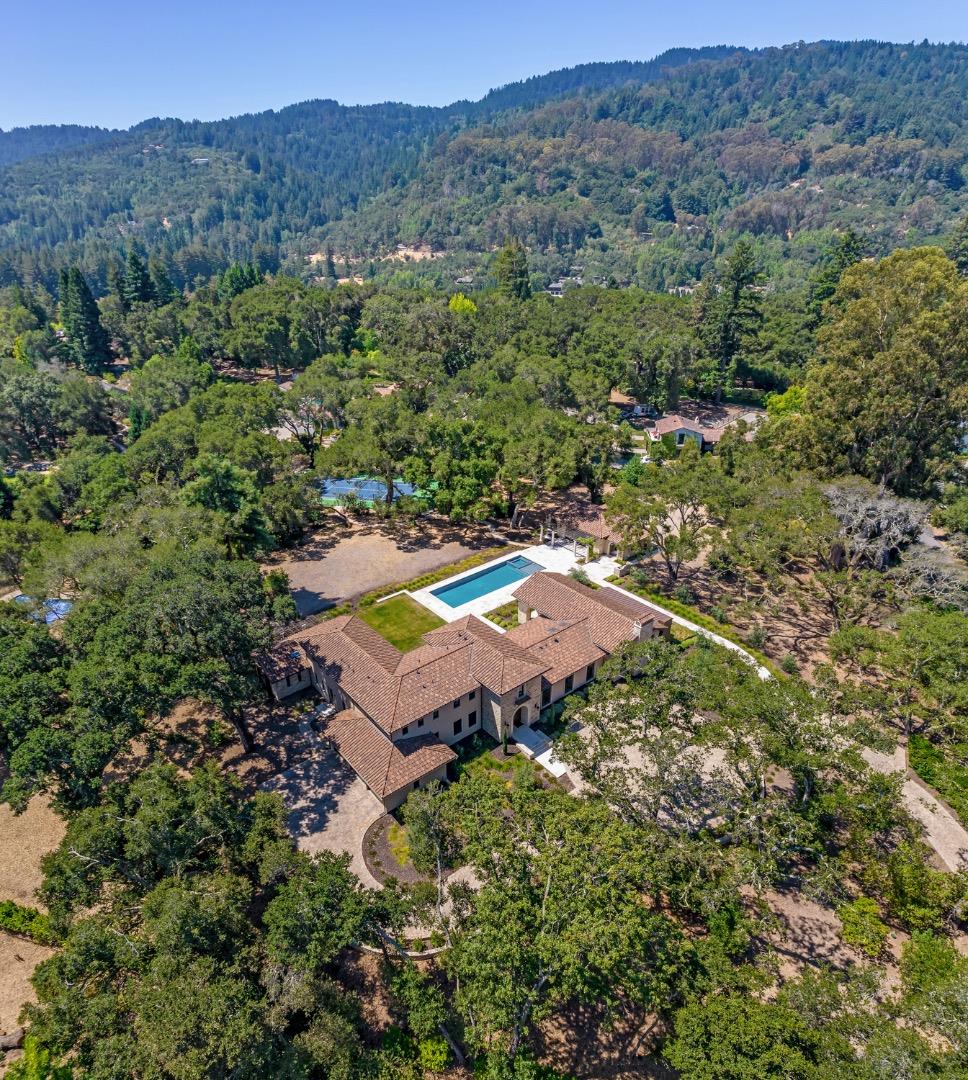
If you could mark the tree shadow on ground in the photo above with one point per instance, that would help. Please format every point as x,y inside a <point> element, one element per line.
<point>582,1040</point>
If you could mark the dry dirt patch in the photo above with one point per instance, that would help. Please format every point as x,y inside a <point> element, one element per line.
<point>24,840</point>
<point>185,739</point>
<point>18,958</point>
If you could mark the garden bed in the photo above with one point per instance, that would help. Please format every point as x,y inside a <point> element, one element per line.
<point>693,614</point>
<point>505,616</point>
<point>386,853</point>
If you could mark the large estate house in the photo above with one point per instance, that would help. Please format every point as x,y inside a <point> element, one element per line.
<point>399,713</point>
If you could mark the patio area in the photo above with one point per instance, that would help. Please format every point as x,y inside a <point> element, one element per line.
<point>562,557</point>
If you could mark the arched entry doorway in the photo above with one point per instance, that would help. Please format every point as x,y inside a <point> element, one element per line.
<point>520,716</point>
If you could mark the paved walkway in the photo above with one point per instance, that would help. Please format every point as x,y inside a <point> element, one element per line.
<point>560,559</point>
<point>536,745</point>
<point>942,829</point>
<point>330,808</point>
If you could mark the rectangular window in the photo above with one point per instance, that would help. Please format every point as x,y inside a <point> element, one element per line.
<point>403,731</point>
<point>420,722</point>
<point>458,726</point>
<point>288,680</point>
<point>472,719</point>
<point>589,673</point>
<point>546,696</point>
<point>457,703</point>
<point>569,684</point>
<point>472,695</point>
<point>436,713</point>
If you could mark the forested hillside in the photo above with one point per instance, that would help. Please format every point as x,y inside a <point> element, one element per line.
<point>202,195</point>
<point>641,172</point>
<point>20,143</point>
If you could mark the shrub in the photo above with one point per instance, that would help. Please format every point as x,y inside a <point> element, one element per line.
<point>684,594</point>
<point>757,637</point>
<point>789,664</point>
<point>942,771</point>
<point>433,1054</point>
<point>580,576</point>
<point>922,898</point>
<point>719,614</point>
<point>862,926</point>
<point>927,961</point>
<point>28,921</point>
<point>36,1064</point>
<point>640,585</point>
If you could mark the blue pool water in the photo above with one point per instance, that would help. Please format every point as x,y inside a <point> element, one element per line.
<point>485,581</point>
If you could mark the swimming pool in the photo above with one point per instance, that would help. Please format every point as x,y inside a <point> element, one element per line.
<point>485,581</point>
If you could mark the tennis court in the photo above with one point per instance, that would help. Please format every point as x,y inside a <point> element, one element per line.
<point>364,489</point>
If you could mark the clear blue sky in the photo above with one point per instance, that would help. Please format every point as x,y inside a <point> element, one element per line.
<point>112,63</point>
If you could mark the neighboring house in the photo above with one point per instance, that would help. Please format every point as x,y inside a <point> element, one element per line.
<point>399,713</point>
<point>681,428</point>
<point>629,405</point>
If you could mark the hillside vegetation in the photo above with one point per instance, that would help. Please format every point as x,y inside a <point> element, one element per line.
<point>641,172</point>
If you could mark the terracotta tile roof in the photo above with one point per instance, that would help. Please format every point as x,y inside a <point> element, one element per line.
<point>384,766</point>
<point>566,647</point>
<point>669,424</point>
<point>357,658</point>
<point>496,661</point>
<point>534,630</point>
<point>590,524</point>
<point>611,615</point>
<point>431,685</point>
<point>395,688</point>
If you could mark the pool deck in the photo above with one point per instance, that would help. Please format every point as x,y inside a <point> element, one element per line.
<point>561,559</point>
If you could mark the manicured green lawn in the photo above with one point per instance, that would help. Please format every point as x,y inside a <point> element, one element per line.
<point>401,620</point>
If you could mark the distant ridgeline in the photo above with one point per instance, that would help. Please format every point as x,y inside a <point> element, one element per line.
<point>627,172</point>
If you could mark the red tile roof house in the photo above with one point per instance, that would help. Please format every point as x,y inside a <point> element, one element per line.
<point>681,428</point>
<point>401,712</point>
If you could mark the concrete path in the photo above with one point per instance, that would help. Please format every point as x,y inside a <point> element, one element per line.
<point>538,746</point>
<point>598,572</point>
<point>942,829</point>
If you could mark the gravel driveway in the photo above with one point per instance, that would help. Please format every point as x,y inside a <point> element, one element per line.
<point>338,563</point>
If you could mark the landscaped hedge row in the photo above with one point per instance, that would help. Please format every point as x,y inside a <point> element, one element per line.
<point>506,616</point>
<point>28,921</point>
<point>430,578</point>
<point>948,778</point>
<point>687,611</point>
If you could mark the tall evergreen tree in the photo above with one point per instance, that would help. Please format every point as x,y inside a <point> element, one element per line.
<point>729,310</point>
<point>136,285</point>
<point>846,250</point>
<point>162,289</point>
<point>511,270</point>
<point>87,339</point>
